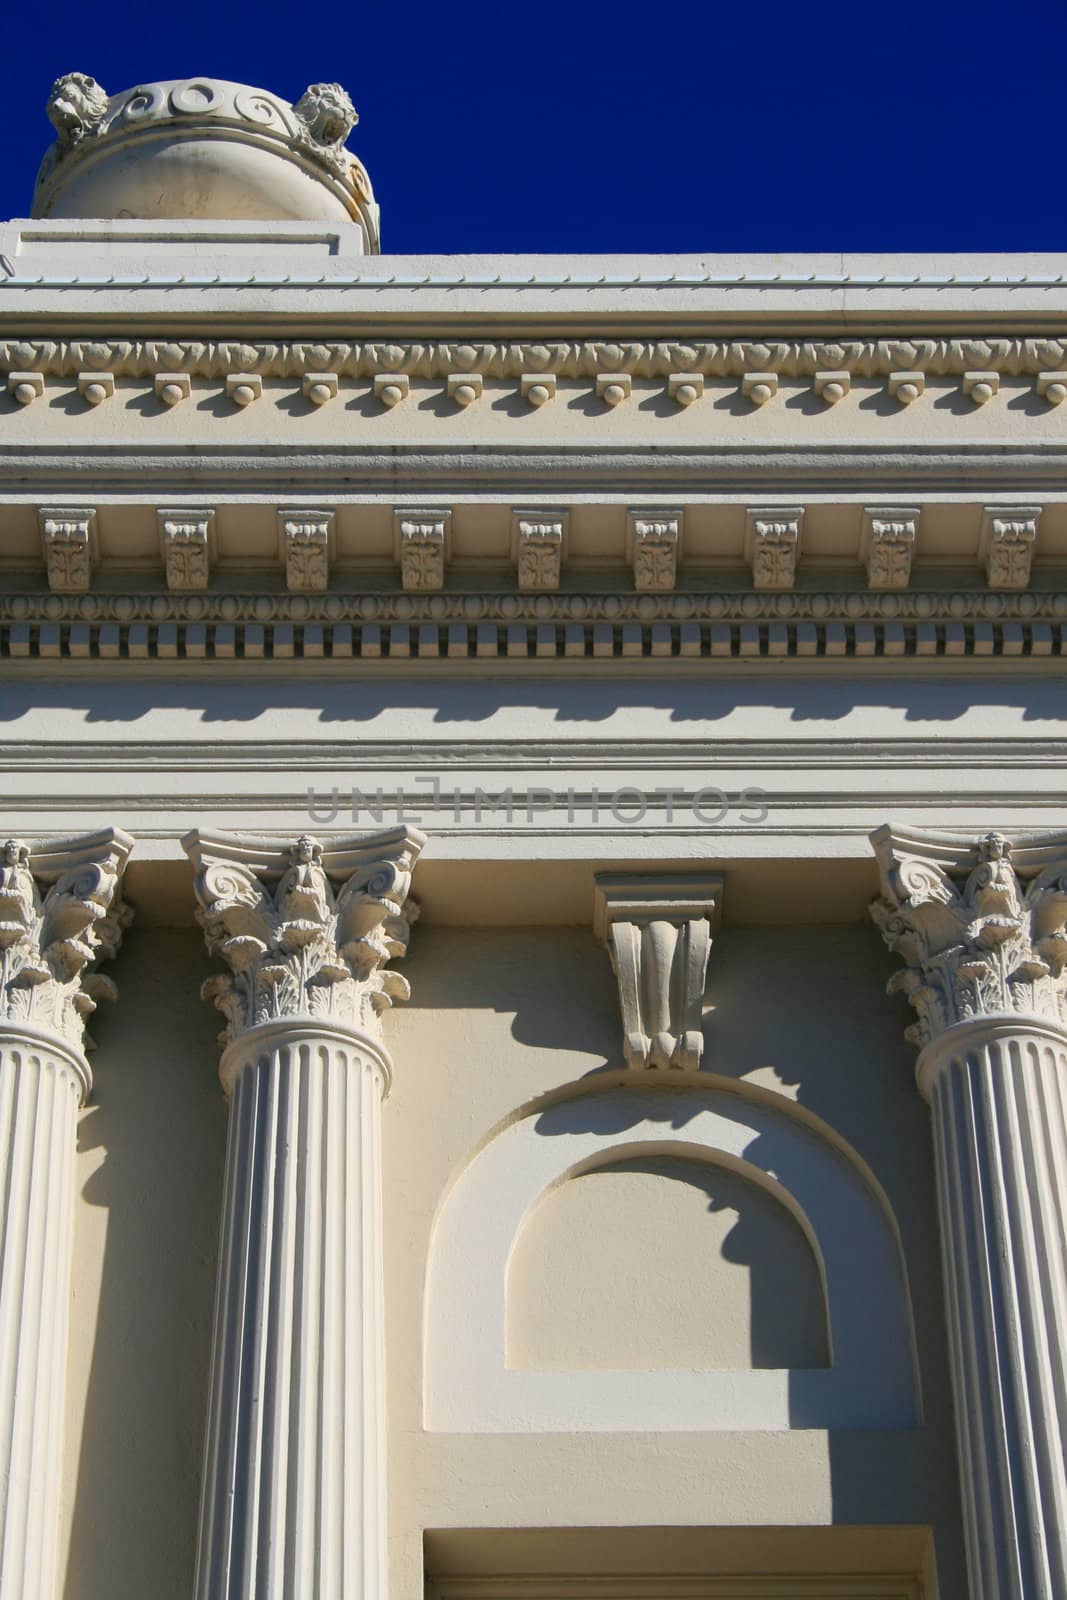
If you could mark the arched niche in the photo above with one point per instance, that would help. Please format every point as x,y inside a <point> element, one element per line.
<point>664,1255</point>
<point>763,1140</point>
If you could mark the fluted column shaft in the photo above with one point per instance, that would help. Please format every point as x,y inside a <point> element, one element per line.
<point>61,913</point>
<point>294,1483</point>
<point>998,1089</point>
<point>43,1081</point>
<point>293,1501</point>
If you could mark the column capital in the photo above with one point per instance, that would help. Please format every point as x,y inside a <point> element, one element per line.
<point>657,928</point>
<point>61,913</point>
<point>306,929</point>
<point>981,926</point>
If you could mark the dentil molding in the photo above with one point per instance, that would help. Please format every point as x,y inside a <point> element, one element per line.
<point>388,629</point>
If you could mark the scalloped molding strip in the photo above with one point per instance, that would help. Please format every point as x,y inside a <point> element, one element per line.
<point>843,628</point>
<point>1038,357</point>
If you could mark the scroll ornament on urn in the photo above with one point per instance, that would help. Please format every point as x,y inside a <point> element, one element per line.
<point>986,948</point>
<point>303,948</point>
<point>50,944</point>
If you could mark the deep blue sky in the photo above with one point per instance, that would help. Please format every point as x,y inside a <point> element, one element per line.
<point>569,125</point>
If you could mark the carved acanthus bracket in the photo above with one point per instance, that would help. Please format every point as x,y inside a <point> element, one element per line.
<point>537,542</point>
<point>307,930</point>
<point>889,538</point>
<point>185,540</point>
<point>1009,534</point>
<point>975,941</point>
<point>658,931</point>
<point>653,540</point>
<point>422,547</point>
<point>772,542</point>
<point>61,912</point>
<point>306,539</point>
<point>68,543</point>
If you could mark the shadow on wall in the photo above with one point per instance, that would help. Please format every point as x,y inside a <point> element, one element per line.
<point>801,1015</point>
<point>760,1138</point>
<point>152,1142</point>
<point>921,700</point>
<point>656,1261</point>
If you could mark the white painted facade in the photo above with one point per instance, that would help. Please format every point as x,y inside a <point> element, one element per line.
<point>634,623</point>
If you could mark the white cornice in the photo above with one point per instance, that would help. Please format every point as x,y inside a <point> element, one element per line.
<point>548,280</point>
<point>238,271</point>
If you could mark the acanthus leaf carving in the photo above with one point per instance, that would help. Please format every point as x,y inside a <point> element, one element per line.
<point>1009,534</point>
<point>68,542</point>
<point>653,542</point>
<point>422,539</point>
<point>772,542</point>
<point>753,364</point>
<point>985,946</point>
<point>307,932</point>
<point>658,931</point>
<point>890,535</point>
<point>306,538</point>
<point>51,942</point>
<point>538,539</point>
<point>185,543</point>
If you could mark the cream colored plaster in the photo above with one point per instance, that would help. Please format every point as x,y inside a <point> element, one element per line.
<point>498,1018</point>
<point>147,1200</point>
<point>500,417</point>
<point>659,1262</point>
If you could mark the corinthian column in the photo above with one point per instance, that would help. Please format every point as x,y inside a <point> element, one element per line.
<point>293,1503</point>
<point>48,947</point>
<point>982,932</point>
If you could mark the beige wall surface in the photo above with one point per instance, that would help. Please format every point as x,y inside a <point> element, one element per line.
<point>499,1020</point>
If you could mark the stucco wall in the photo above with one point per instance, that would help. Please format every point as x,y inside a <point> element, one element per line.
<point>498,1020</point>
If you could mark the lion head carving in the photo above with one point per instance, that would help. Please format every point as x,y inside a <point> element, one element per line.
<point>328,117</point>
<point>76,108</point>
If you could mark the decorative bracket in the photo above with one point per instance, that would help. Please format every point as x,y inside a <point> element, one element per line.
<point>1009,534</point>
<point>537,544</point>
<point>68,539</point>
<point>653,540</point>
<point>186,541</point>
<point>889,538</point>
<point>422,540</point>
<point>306,539</point>
<point>772,540</point>
<point>658,931</point>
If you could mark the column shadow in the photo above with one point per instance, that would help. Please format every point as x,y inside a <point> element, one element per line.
<point>150,1156</point>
